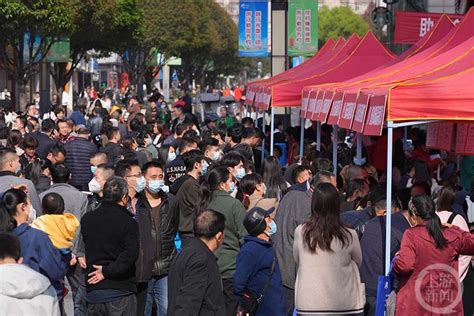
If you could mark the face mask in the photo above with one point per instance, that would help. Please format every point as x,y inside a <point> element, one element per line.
<point>273,228</point>
<point>31,214</point>
<point>264,188</point>
<point>240,173</point>
<point>205,167</point>
<point>231,188</point>
<point>93,169</point>
<point>141,184</point>
<point>171,156</point>
<point>94,186</point>
<point>216,156</point>
<point>359,162</point>
<point>156,186</point>
<point>197,132</point>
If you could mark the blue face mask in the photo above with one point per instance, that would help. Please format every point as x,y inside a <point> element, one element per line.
<point>141,184</point>
<point>156,186</point>
<point>93,169</point>
<point>273,228</point>
<point>205,167</point>
<point>240,173</point>
<point>231,187</point>
<point>171,156</point>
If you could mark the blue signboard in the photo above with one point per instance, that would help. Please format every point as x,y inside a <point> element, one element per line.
<point>253,28</point>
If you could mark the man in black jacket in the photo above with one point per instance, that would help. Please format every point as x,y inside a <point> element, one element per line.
<point>111,242</point>
<point>157,216</point>
<point>113,149</point>
<point>195,285</point>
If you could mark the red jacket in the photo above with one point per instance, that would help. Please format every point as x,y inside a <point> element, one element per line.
<point>426,289</point>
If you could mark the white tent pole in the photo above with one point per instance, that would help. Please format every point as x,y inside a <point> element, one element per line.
<point>318,136</point>
<point>388,224</point>
<point>272,130</point>
<point>303,121</point>
<point>359,146</point>
<point>263,132</point>
<point>334,148</point>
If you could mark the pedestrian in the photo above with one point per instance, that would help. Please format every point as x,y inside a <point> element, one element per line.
<point>30,144</point>
<point>9,170</point>
<point>216,195</point>
<point>157,218</point>
<point>65,128</point>
<point>426,244</point>
<point>176,169</point>
<point>189,193</point>
<point>130,171</point>
<point>78,153</point>
<point>97,159</point>
<point>254,189</point>
<point>258,273</point>
<point>195,285</point>
<point>23,291</point>
<point>113,148</point>
<point>273,178</point>
<point>328,257</point>
<point>37,250</point>
<point>45,137</point>
<point>39,172</point>
<point>111,251</point>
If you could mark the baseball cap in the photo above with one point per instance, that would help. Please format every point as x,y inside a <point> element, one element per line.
<point>254,221</point>
<point>179,103</point>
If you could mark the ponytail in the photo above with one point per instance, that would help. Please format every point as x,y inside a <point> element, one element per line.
<point>7,221</point>
<point>246,201</point>
<point>215,177</point>
<point>424,207</point>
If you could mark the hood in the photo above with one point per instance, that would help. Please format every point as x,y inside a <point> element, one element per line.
<point>20,281</point>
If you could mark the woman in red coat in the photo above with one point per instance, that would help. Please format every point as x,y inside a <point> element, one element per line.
<point>428,263</point>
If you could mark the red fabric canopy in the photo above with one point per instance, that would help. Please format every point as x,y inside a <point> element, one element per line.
<point>369,54</point>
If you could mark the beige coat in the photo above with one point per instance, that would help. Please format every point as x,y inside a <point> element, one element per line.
<point>328,281</point>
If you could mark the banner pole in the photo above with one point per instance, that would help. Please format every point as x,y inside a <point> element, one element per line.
<point>388,224</point>
<point>272,130</point>
<point>303,121</point>
<point>318,136</point>
<point>334,148</point>
<point>263,139</point>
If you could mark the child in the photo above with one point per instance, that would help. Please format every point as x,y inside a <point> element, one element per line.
<point>61,227</point>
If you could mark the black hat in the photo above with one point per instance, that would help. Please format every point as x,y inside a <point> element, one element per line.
<point>254,221</point>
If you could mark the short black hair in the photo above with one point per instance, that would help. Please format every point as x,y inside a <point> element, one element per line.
<point>60,173</point>
<point>208,223</point>
<point>185,142</point>
<point>115,189</point>
<point>249,132</point>
<point>57,149</point>
<point>111,132</point>
<point>192,157</point>
<point>151,164</point>
<point>181,128</point>
<point>235,133</point>
<point>209,142</point>
<point>232,159</point>
<point>297,171</point>
<point>125,165</point>
<point>30,142</point>
<point>10,246</point>
<point>247,121</point>
<point>52,203</point>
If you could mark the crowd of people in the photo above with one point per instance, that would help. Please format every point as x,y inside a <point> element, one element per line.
<point>140,209</point>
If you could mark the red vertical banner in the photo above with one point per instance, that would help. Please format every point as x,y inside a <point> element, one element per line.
<point>250,96</point>
<point>319,105</point>
<point>267,97</point>
<point>375,116</point>
<point>469,147</point>
<point>360,113</point>
<point>336,108</point>
<point>445,136</point>
<point>461,136</point>
<point>432,131</point>
<point>348,109</point>
<point>313,97</point>
<point>304,103</point>
<point>324,112</point>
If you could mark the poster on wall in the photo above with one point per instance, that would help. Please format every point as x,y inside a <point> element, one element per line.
<point>253,28</point>
<point>302,27</point>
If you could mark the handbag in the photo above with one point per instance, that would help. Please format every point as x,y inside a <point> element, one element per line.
<point>249,301</point>
<point>385,294</point>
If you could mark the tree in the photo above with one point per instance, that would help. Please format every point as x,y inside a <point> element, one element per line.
<point>28,29</point>
<point>340,21</point>
<point>101,25</point>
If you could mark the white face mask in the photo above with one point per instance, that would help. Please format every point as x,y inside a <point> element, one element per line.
<point>216,156</point>
<point>31,214</point>
<point>171,156</point>
<point>94,186</point>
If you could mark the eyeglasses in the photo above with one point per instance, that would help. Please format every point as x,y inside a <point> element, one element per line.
<point>134,176</point>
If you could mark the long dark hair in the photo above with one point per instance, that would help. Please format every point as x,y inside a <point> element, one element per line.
<point>325,223</point>
<point>36,168</point>
<point>163,152</point>
<point>215,177</point>
<point>446,198</point>
<point>422,173</point>
<point>11,198</point>
<point>247,186</point>
<point>424,207</point>
<point>273,179</point>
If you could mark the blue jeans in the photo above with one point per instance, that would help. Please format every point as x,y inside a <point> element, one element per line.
<point>158,292</point>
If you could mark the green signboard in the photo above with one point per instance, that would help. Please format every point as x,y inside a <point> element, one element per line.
<point>59,52</point>
<point>302,27</point>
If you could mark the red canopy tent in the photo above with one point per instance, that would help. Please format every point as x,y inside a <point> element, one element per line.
<point>369,54</point>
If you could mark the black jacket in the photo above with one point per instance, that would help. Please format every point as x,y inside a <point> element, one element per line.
<point>78,155</point>
<point>44,144</point>
<point>113,151</point>
<point>111,240</point>
<point>189,196</point>
<point>157,248</point>
<point>194,282</point>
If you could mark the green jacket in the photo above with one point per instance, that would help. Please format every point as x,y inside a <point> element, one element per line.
<point>234,213</point>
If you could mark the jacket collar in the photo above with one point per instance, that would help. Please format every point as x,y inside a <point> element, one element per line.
<point>63,185</point>
<point>257,240</point>
<point>21,229</point>
<point>6,173</point>
<point>220,193</point>
<point>110,205</point>
<point>143,201</point>
<point>198,243</point>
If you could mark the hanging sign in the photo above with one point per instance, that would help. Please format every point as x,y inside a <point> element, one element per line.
<point>253,28</point>
<point>302,27</point>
